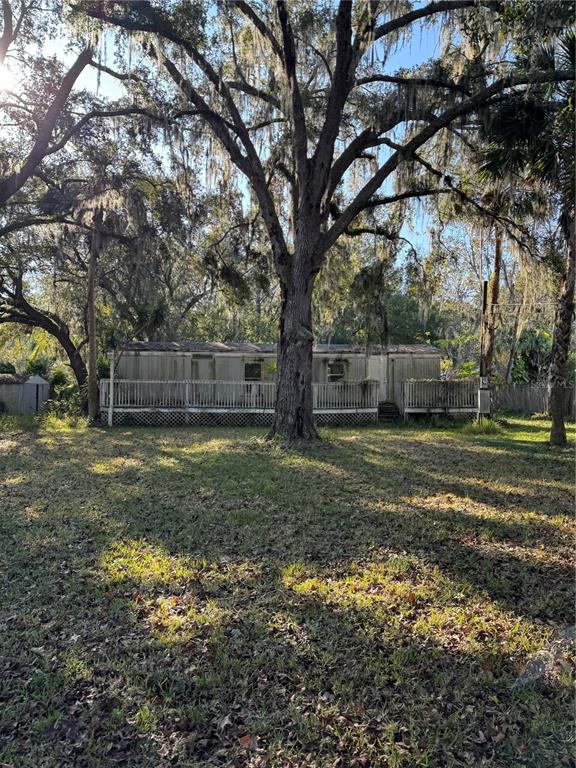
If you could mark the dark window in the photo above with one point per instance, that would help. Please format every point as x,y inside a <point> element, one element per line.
<point>252,371</point>
<point>336,372</point>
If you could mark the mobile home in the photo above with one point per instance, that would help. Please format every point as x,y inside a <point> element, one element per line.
<point>213,382</point>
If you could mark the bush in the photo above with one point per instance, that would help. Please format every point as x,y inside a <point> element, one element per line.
<point>103,366</point>
<point>59,379</point>
<point>484,427</point>
<point>6,367</point>
<point>65,406</point>
<point>468,370</point>
<point>37,366</point>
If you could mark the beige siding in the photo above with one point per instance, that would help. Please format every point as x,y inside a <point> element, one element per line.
<point>378,370</point>
<point>232,367</point>
<point>356,367</point>
<point>171,366</point>
<point>402,367</point>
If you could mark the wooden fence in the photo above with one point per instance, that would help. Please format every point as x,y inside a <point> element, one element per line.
<point>528,398</point>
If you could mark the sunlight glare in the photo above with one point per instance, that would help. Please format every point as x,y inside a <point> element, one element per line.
<point>7,79</point>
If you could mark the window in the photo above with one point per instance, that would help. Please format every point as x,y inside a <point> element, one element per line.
<point>336,372</point>
<point>252,371</point>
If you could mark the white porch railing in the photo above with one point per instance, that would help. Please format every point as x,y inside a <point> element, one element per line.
<point>345,394</point>
<point>441,395</point>
<point>231,395</point>
<point>188,394</point>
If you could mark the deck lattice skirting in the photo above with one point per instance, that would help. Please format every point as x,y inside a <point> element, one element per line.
<point>228,403</point>
<point>228,419</point>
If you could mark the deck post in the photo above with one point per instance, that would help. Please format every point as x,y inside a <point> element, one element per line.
<point>111,391</point>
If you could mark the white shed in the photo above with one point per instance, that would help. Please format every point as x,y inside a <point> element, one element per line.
<point>21,394</point>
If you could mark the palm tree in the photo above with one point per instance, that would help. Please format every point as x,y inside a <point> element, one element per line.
<point>532,136</point>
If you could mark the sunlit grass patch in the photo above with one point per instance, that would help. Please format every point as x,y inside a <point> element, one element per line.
<point>8,444</point>
<point>482,427</point>
<point>142,564</point>
<point>176,619</point>
<point>396,588</point>
<point>114,465</point>
<point>51,423</point>
<point>12,480</point>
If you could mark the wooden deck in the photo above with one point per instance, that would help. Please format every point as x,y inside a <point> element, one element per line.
<point>127,401</point>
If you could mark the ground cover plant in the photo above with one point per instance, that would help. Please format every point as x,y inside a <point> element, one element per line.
<point>394,597</point>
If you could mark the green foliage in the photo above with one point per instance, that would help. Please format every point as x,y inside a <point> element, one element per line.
<point>468,370</point>
<point>68,404</point>
<point>39,366</point>
<point>59,378</point>
<point>7,367</point>
<point>103,366</point>
<point>482,427</point>
<point>532,357</point>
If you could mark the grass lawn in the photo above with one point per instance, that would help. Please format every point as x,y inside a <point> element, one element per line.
<point>196,597</point>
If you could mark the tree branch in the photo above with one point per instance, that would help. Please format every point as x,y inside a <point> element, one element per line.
<point>298,114</point>
<point>440,6</point>
<point>407,151</point>
<point>16,181</point>
<point>425,82</point>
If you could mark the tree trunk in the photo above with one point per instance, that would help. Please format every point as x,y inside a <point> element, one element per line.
<point>561,346</point>
<point>76,363</point>
<point>293,421</point>
<point>91,320</point>
<point>489,319</point>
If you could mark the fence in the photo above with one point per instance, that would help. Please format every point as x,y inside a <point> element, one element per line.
<point>434,395</point>
<point>528,398</point>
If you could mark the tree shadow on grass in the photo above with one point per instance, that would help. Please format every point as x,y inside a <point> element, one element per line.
<point>188,665</point>
<point>227,498</point>
<point>318,603</point>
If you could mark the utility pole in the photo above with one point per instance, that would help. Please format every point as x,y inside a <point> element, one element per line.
<point>483,326</point>
<point>484,399</point>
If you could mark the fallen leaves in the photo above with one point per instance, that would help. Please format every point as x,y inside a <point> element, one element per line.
<point>211,602</point>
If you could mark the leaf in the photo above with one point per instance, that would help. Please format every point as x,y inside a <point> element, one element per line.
<point>248,741</point>
<point>224,722</point>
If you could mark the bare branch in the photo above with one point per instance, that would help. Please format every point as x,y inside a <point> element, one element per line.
<point>424,82</point>
<point>298,114</point>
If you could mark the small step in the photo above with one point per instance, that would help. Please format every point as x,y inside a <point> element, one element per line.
<point>388,413</point>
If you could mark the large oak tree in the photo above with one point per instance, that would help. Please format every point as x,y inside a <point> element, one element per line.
<point>301,103</point>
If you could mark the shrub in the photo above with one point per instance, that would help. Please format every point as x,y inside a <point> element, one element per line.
<point>103,365</point>
<point>6,367</point>
<point>69,404</point>
<point>484,427</point>
<point>59,379</point>
<point>37,366</point>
